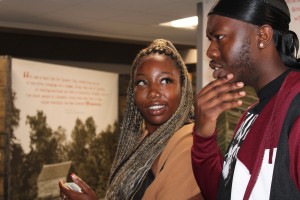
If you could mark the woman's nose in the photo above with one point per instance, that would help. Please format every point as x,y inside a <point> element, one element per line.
<point>154,93</point>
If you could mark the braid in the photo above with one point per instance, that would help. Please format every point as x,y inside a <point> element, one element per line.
<point>134,159</point>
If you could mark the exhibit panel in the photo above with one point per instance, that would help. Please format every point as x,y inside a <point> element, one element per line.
<point>51,115</point>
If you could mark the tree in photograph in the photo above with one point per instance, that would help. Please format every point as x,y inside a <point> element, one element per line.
<point>82,136</point>
<point>95,171</point>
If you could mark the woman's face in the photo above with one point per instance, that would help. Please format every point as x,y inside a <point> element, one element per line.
<point>157,89</point>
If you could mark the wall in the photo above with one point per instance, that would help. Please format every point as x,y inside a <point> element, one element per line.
<point>5,95</point>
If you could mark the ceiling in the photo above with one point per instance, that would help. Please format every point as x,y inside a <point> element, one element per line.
<point>135,20</point>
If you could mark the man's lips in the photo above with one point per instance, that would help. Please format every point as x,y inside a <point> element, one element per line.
<point>217,69</point>
<point>215,66</point>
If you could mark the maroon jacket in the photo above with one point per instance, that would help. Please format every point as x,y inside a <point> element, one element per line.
<point>265,133</point>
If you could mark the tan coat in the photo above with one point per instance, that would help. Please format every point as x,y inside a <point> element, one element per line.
<point>173,172</point>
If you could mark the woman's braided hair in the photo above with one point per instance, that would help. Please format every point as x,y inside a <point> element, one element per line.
<point>134,158</point>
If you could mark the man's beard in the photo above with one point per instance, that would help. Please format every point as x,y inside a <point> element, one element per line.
<point>244,66</point>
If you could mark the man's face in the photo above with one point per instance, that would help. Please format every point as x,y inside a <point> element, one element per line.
<point>231,48</point>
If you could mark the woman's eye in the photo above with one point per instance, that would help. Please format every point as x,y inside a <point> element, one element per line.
<point>140,82</point>
<point>166,80</point>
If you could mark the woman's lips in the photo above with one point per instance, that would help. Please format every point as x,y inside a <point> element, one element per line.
<point>156,109</point>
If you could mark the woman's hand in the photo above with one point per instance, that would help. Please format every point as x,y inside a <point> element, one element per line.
<point>68,194</point>
<point>216,97</point>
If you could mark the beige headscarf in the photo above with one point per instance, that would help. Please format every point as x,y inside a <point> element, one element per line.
<point>134,158</point>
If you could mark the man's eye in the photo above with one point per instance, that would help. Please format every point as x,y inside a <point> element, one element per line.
<point>219,37</point>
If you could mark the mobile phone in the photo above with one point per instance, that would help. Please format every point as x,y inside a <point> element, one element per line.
<point>73,186</point>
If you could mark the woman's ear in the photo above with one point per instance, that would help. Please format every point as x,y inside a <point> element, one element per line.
<point>265,36</point>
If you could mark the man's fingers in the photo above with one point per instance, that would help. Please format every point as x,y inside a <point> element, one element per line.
<point>215,98</point>
<point>214,83</point>
<point>218,96</point>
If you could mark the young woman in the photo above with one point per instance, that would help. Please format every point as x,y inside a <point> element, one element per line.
<point>153,160</point>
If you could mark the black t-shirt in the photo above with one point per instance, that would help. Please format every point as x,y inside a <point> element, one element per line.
<point>268,91</point>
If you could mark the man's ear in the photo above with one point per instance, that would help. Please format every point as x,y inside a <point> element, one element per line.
<point>265,36</point>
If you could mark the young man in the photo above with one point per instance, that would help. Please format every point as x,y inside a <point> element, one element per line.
<point>250,44</point>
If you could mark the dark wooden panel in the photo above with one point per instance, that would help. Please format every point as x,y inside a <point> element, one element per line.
<point>45,45</point>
